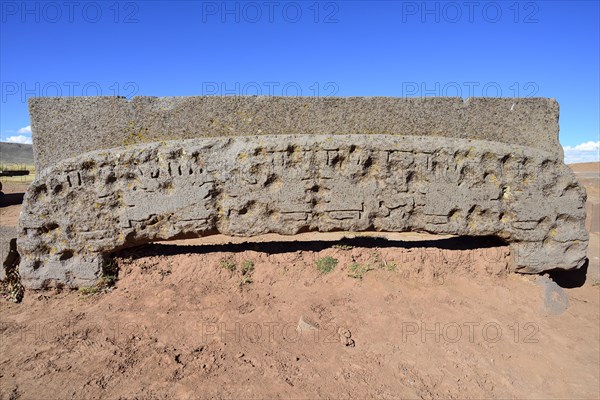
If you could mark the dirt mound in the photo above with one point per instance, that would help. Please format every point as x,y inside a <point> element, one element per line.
<point>362,319</point>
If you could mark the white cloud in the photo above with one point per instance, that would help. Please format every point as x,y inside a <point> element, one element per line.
<point>26,129</point>
<point>584,152</point>
<point>19,139</point>
<point>587,146</point>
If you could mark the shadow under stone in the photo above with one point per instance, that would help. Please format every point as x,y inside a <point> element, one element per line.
<point>11,199</point>
<point>572,278</point>
<point>279,247</point>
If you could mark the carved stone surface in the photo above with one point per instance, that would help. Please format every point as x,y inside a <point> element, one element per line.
<point>65,127</point>
<point>83,208</point>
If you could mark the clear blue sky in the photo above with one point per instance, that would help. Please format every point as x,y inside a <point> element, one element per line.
<point>344,48</point>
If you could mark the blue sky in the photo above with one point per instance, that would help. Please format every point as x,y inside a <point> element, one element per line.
<point>342,48</point>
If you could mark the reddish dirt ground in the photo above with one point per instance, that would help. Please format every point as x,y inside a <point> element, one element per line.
<point>394,319</point>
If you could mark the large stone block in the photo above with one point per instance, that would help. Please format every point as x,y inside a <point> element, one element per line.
<point>70,126</point>
<point>83,208</point>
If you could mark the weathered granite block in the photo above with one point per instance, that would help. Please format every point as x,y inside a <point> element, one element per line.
<point>65,127</point>
<point>83,208</point>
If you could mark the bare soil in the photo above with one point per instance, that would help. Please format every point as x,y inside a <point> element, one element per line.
<point>410,316</point>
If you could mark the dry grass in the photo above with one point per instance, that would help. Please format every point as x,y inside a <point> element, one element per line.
<point>18,167</point>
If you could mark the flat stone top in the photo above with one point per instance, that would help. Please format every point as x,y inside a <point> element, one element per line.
<point>65,127</point>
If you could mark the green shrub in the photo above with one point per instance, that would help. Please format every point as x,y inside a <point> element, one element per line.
<point>228,264</point>
<point>247,267</point>
<point>326,264</point>
<point>357,270</point>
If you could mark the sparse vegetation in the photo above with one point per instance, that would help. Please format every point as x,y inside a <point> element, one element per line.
<point>391,267</point>
<point>343,246</point>
<point>228,264</point>
<point>327,264</point>
<point>244,271</point>
<point>376,261</point>
<point>357,271</point>
<point>247,270</point>
<point>247,267</point>
<point>104,284</point>
<point>107,281</point>
<point>246,279</point>
<point>89,290</point>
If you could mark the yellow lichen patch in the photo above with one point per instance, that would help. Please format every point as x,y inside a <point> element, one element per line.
<point>297,156</point>
<point>472,225</point>
<point>471,154</point>
<point>119,199</point>
<point>135,134</point>
<point>374,169</point>
<point>455,215</point>
<point>90,248</point>
<point>459,158</point>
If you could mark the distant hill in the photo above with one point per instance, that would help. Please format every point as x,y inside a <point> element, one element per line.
<point>16,153</point>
